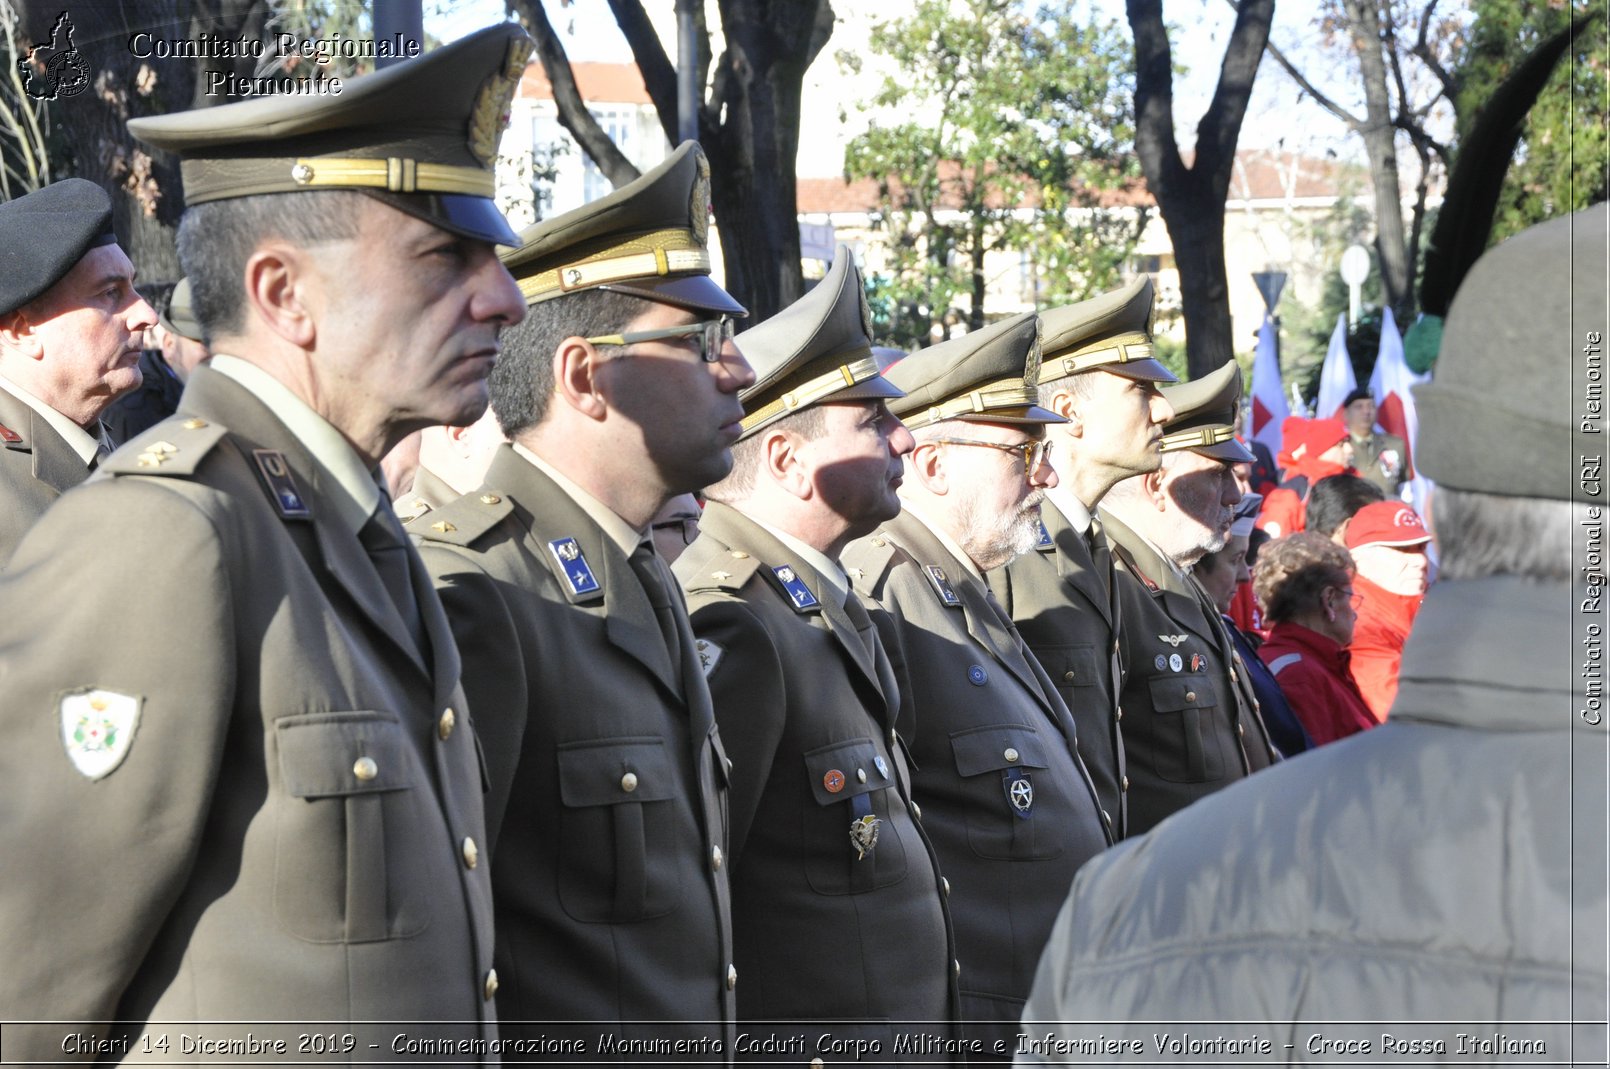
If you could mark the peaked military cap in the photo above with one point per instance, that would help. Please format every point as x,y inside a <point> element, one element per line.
<point>648,238</point>
<point>1204,416</point>
<point>817,349</point>
<point>1109,332</point>
<point>1525,331</point>
<point>421,136</point>
<point>987,376</point>
<point>43,234</point>
<point>180,318</point>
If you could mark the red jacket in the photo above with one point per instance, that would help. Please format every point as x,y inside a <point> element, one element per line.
<point>1377,648</point>
<point>1312,672</point>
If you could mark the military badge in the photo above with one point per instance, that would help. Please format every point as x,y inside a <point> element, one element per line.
<point>866,310</point>
<point>1019,791</point>
<point>881,765</point>
<point>491,113</point>
<point>1161,661</point>
<point>709,655</point>
<point>1175,663</point>
<point>699,203</point>
<point>1172,640</point>
<point>567,551</point>
<point>1042,541</point>
<point>976,675</point>
<point>1031,366</point>
<point>1390,463</point>
<point>277,476</point>
<point>798,592</point>
<point>97,728</point>
<point>936,576</point>
<point>864,834</point>
<point>833,782</point>
<point>1196,662</point>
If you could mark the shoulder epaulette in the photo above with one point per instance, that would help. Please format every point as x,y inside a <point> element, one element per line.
<point>711,567</point>
<point>174,447</point>
<point>409,509</point>
<point>869,562</point>
<point>461,522</point>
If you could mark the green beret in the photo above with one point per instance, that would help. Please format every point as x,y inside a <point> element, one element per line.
<point>43,234</point>
<point>1204,416</point>
<point>986,376</point>
<point>421,136</point>
<point>1522,364</point>
<point>817,349</point>
<point>1109,332</point>
<point>649,238</point>
<point>180,318</point>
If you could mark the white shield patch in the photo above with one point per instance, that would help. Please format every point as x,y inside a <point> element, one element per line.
<point>710,655</point>
<point>97,727</point>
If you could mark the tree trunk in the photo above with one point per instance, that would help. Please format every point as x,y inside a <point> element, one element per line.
<point>1364,25</point>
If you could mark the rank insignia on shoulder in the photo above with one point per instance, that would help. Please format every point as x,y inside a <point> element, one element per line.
<point>864,834</point>
<point>9,436</point>
<point>1043,542</point>
<point>97,728</point>
<point>798,592</point>
<point>710,655</point>
<point>936,576</point>
<point>277,475</point>
<point>567,551</point>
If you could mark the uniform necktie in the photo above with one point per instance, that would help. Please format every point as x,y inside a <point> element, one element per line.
<point>656,579</point>
<point>1100,553</point>
<point>383,539</point>
<point>860,618</point>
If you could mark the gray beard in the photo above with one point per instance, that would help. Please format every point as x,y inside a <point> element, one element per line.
<point>992,541</point>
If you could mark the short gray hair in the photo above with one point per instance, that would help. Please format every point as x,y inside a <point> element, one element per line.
<point>522,382</point>
<point>808,423</point>
<point>218,237</point>
<point>1080,386</point>
<point>1480,535</point>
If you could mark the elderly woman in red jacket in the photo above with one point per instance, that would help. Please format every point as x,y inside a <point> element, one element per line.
<point>1305,582</point>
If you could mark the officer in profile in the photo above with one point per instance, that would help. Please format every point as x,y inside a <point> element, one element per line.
<point>1097,372</point>
<point>606,811</point>
<point>242,786</point>
<point>838,917</point>
<point>71,330</point>
<point>1008,803</point>
<point>175,347</point>
<point>1191,724</point>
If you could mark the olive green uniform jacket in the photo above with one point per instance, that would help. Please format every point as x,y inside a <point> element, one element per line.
<point>807,704</point>
<point>36,467</point>
<point>1383,460</point>
<point>1063,603</point>
<point>1191,722</point>
<point>610,905</point>
<point>1006,800</point>
<point>291,834</point>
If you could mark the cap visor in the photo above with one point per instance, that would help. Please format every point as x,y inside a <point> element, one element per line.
<point>457,213</point>
<point>1031,414</point>
<point>1232,452</point>
<point>1145,370</point>
<point>697,293</point>
<point>1415,540</point>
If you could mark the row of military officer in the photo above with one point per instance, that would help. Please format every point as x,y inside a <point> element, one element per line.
<point>326,765</point>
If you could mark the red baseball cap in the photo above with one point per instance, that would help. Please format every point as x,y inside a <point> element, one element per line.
<point>1386,523</point>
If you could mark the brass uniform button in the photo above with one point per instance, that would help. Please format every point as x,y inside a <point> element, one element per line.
<point>629,782</point>
<point>490,499</point>
<point>732,977</point>
<point>944,885</point>
<point>194,424</point>
<point>472,854</point>
<point>956,967</point>
<point>490,988</point>
<point>1240,729</point>
<point>1011,755</point>
<point>715,858</point>
<point>1068,675</point>
<point>1190,695</point>
<point>445,723</point>
<point>740,554</point>
<point>365,769</point>
<point>1124,784</point>
<point>860,775</point>
<point>916,810</point>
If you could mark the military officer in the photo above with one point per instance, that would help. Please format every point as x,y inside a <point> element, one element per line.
<point>1098,373</point>
<point>838,915</point>
<point>251,792</point>
<point>70,337</point>
<point>1191,723</point>
<point>608,784</point>
<point>176,349</point>
<point>1009,805</point>
<point>1377,456</point>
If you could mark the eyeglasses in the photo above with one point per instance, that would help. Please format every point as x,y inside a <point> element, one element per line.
<point>1353,599</point>
<point>1034,452</point>
<point>687,526</point>
<point>712,334</point>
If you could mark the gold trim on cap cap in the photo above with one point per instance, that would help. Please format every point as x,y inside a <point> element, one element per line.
<point>1006,393</point>
<point>663,252</point>
<point>394,174</point>
<point>813,390</point>
<point>1198,437</point>
<point>1120,349</point>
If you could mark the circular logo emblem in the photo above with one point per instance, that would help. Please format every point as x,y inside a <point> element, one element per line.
<point>976,675</point>
<point>881,765</point>
<point>1161,662</point>
<point>1175,662</point>
<point>833,781</point>
<point>1022,794</point>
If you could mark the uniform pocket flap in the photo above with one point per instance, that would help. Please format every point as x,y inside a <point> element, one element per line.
<point>615,771</point>
<point>323,755</point>
<point>847,769</point>
<point>1072,666</point>
<point>1170,694</point>
<point>989,749</point>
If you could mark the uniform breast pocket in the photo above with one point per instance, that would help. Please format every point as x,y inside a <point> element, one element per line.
<point>619,832</point>
<point>1074,669</point>
<point>850,844</point>
<point>1007,773</point>
<point>353,857</point>
<point>1185,710</point>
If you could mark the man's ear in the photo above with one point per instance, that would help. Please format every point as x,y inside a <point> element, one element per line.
<point>575,377</point>
<point>1064,405</point>
<point>927,463</point>
<point>781,462</point>
<point>1151,485</point>
<point>280,280</point>
<point>17,335</point>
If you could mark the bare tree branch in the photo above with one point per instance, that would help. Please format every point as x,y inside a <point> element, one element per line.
<point>1422,52</point>
<point>573,113</point>
<point>1220,128</point>
<point>1154,92</point>
<point>659,73</point>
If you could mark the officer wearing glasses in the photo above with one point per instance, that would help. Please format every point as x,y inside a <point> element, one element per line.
<point>606,809</point>
<point>1006,800</point>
